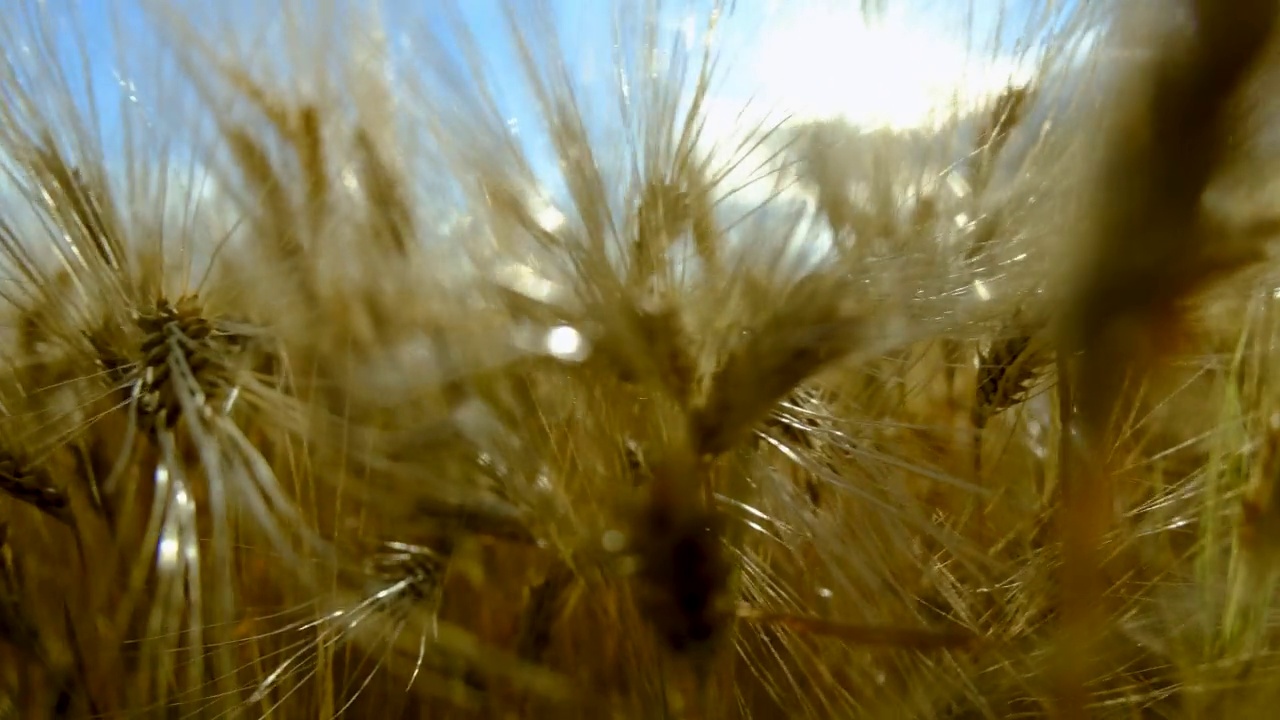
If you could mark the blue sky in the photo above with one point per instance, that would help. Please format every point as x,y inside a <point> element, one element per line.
<point>87,26</point>
<point>809,57</point>
<point>585,30</point>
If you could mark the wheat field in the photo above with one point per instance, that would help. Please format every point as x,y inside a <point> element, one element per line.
<point>326,391</point>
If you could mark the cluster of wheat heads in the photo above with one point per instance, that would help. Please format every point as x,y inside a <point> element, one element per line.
<point>395,422</point>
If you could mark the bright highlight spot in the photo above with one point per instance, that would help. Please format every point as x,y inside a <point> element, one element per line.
<point>168,552</point>
<point>566,343</point>
<point>981,289</point>
<point>548,217</point>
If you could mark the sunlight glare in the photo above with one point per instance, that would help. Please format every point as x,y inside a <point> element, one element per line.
<point>828,63</point>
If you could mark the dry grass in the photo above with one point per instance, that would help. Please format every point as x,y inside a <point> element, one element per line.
<point>366,432</point>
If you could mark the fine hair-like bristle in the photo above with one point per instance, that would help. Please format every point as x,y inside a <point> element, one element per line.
<point>409,362</point>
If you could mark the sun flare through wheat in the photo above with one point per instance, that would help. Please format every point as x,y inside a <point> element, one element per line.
<point>640,359</point>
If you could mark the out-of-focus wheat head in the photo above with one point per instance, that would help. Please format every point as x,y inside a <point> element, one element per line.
<point>396,418</point>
